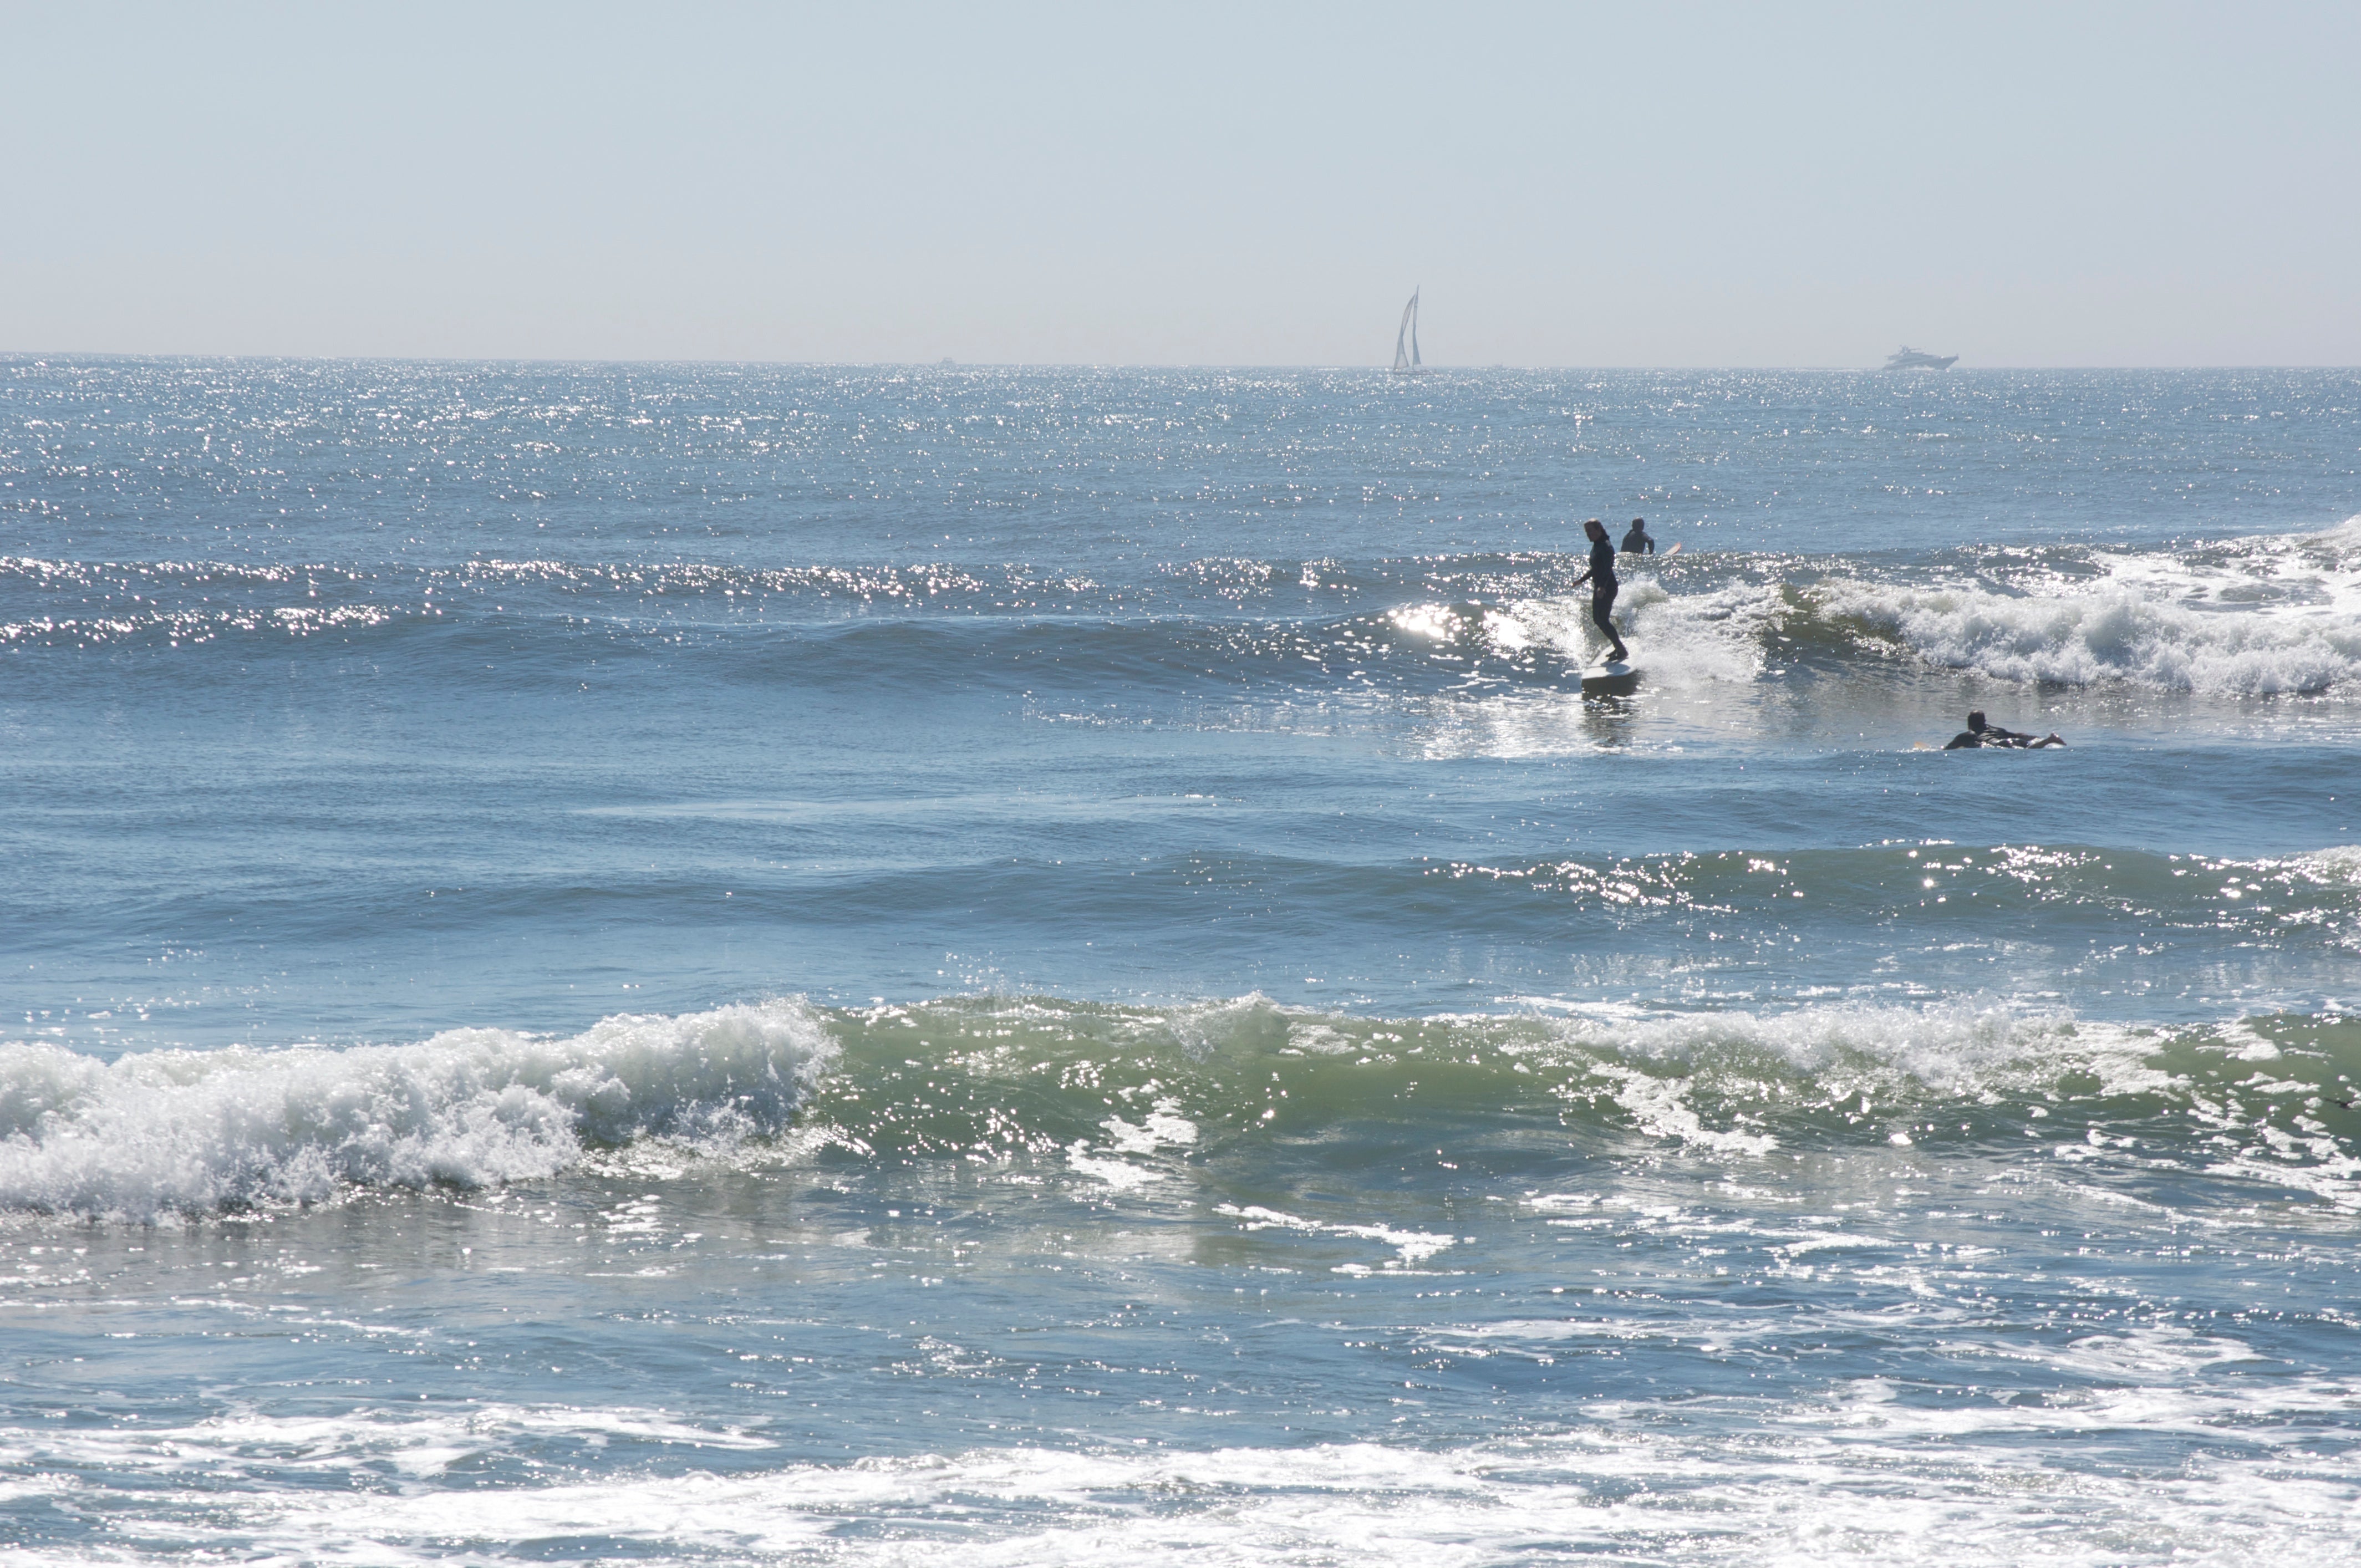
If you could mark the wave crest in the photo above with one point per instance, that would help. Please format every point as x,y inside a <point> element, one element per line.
<point>2115,635</point>
<point>2273,615</point>
<point>172,1131</point>
<point>1130,1096</point>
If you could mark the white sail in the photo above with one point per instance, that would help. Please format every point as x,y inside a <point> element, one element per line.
<point>1406,360</point>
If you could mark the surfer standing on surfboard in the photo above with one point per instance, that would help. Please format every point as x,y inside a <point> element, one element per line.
<point>1602,578</point>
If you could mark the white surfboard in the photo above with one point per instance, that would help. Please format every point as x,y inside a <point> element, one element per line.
<point>1613,678</point>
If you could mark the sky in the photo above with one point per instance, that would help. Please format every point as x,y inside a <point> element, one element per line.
<point>1798,184</point>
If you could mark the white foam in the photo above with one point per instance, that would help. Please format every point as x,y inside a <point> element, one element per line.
<point>425,1441</point>
<point>1689,639</point>
<point>1864,1477</point>
<point>1956,1050</point>
<point>1875,1065</point>
<point>1411,1247</point>
<point>1163,1128</point>
<point>1660,1106</point>
<point>193,1132</point>
<point>2337,864</point>
<point>2251,618</point>
<point>2287,574</point>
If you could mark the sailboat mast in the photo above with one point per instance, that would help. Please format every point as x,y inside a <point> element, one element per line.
<point>1406,360</point>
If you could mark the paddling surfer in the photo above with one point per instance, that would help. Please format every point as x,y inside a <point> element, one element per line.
<point>1639,541</point>
<point>1602,578</point>
<point>1980,734</point>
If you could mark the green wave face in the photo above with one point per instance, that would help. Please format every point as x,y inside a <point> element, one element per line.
<point>1111,1090</point>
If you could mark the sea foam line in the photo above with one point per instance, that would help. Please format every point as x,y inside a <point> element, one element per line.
<point>1862,1476</point>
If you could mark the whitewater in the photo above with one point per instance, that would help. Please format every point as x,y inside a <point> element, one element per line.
<point>749,964</point>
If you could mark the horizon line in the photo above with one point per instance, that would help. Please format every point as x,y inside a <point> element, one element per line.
<point>40,357</point>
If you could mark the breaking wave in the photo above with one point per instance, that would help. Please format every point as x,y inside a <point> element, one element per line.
<point>2108,636</point>
<point>1127,1097</point>
<point>193,1132</point>
<point>2269,616</point>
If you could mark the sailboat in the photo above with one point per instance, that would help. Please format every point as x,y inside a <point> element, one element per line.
<point>1406,361</point>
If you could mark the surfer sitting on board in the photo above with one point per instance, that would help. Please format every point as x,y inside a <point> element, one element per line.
<point>1978,733</point>
<point>1602,578</point>
<point>1639,542</point>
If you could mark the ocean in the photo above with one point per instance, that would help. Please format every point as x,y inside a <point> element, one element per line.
<point>744,964</point>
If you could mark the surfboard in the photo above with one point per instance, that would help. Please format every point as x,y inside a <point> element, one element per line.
<point>1613,678</point>
<point>1673,551</point>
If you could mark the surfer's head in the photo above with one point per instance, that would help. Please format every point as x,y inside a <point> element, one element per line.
<point>1596,529</point>
<point>1976,719</point>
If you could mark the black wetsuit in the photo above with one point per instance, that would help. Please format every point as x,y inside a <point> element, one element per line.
<point>1602,587</point>
<point>1993,735</point>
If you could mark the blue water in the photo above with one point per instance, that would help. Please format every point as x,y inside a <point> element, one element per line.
<point>765,964</point>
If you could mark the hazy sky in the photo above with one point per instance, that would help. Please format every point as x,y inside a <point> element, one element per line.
<point>1633,184</point>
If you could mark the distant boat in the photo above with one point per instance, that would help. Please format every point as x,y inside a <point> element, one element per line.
<point>1909,358</point>
<point>1406,360</point>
